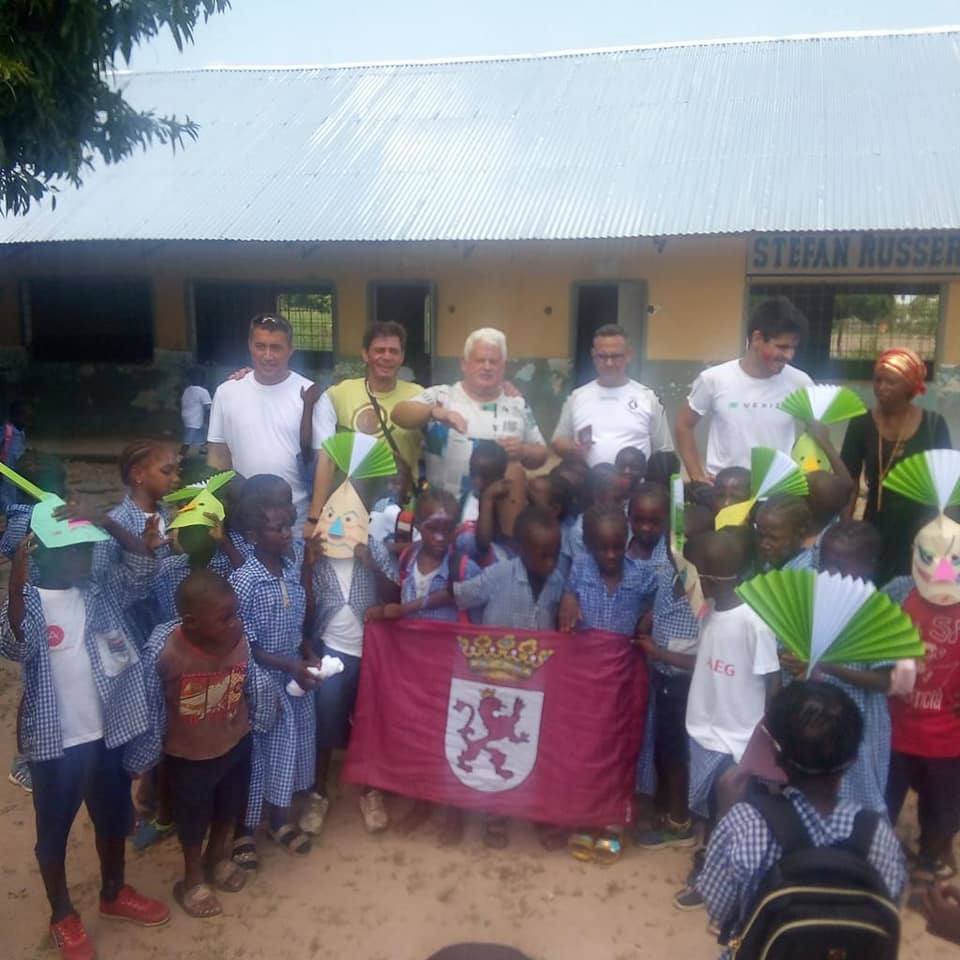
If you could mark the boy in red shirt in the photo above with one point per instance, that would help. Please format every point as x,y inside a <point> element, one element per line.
<point>926,722</point>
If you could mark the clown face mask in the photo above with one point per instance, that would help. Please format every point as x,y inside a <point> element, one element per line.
<point>343,523</point>
<point>936,562</point>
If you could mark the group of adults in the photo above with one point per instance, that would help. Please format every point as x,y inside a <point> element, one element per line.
<point>260,422</point>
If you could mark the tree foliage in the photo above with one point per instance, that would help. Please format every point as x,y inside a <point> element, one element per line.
<point>58,108</point>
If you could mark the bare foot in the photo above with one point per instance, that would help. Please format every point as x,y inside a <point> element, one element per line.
<point>451,832</point>
<point>415,817</point>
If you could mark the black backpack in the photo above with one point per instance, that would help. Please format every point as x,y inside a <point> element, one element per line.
<point>818,903</point>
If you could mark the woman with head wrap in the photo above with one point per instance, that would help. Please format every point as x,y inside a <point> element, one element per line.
<point>895,428</point>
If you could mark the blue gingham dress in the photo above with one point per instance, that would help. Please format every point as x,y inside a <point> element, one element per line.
<point>620,611</point>
<point>742,850</point>
<point>673,619</point>
<point>273,610</point>
<point>143,615</point>
<point>439,581</point>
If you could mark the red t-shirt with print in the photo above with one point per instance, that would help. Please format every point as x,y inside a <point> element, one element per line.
<point>926,723</point>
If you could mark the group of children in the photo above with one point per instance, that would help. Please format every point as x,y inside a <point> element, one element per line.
<point>221,664</point>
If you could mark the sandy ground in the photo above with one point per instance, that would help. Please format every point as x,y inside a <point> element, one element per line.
<point>369,898</point>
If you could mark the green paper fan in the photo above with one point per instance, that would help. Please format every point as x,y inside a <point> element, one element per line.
<point>211,485</point>
<point>825,402</point>
<point>360,456</point>
<point>772,472</point>
<point>931,478</point>
<point>824,616</point>
<point>23,483</point>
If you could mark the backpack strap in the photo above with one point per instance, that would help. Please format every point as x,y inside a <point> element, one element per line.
<point>784,822</point>
<point>405,558</point>
<point>864,829</point>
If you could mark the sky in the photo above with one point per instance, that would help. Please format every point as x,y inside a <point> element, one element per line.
<point>322,32</point>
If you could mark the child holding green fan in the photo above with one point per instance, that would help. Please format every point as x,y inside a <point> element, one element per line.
<point>737,669</point>
<point>926,722</point>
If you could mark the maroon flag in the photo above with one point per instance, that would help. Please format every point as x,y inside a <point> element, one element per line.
<point>543,726</point>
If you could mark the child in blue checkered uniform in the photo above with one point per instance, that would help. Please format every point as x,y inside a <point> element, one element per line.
<point>648,512</point>
<point>671,650</point>
<point>783,523</point>
<point>605,592</point>
<point>817,729</point>
<point>481,535</point>
<point>149,469</point>
<point>84,702</point>
<point>273,608</point>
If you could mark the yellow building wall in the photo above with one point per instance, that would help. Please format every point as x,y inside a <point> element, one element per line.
<point>950,337</point>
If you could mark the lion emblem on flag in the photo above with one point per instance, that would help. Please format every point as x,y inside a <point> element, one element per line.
<point>492,734</point>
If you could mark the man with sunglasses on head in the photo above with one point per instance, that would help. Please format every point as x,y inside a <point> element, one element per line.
<point>602,417</point>
<point>255,419</point>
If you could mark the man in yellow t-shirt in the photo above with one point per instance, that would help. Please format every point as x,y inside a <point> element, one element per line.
<point>364,405</point>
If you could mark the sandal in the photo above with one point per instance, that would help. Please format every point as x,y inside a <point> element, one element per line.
<point>244,853</point>
<point>495,833</point>
<point>291,839</point>
<point>582,847</point>
<point>608,849</point>
<point>227,876</point>
<point>199,902</point>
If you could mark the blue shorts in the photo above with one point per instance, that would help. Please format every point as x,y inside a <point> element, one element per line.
<point>194,437</point>
<point>88,773</point>
<point>335,699</point>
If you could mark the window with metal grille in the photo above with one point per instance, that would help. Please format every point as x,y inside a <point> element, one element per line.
<point>88,319</point>
<point>851,323</point>
<point>222,311</point>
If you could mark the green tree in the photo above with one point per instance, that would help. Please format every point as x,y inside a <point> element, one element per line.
<point>58,109</point>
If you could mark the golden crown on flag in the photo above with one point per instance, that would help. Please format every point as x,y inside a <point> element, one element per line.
<point>504,658</point>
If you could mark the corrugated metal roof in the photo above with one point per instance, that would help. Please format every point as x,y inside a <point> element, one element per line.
<point>819,133</point>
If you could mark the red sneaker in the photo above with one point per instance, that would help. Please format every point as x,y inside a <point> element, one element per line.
<point>71,939</point>
<point>136,908</point>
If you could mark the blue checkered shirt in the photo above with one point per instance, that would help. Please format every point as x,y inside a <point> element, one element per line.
<point>439,581</point>
<point>144,751</point>
<point>329,598</point>
<point>673,620</point>
<point>272,608</point>
<point>114,661</point>
<point>620,611</point>
<point>504,592</point>
<point>18,526</point>
<point>742,850</point>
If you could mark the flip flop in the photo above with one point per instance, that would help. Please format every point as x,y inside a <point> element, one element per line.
<point>291,839</point>
<point>495,833</point>
<point>551,838</point>
<point>199,902</point>
<point>227,876</point>
<point>582,847</point>
<point>244,853</point>
<point>607,849</point>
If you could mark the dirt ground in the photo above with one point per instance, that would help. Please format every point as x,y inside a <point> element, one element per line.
<point>368,898</point>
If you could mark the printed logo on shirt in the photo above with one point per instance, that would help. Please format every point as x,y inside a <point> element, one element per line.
<point>116,652</point>
<point>722,667</point>
<point>632,403</point>
<point>754,405</point>
<point>55,636</point>
<point>212,696</point>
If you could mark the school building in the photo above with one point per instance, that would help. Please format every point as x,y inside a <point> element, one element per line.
<point>665,187</point>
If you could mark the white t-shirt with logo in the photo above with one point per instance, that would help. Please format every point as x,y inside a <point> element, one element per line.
<point>344,632</point>
<point>447,452</point>
<point>627,416</point>
<point>193,403</point>
<point>260,424</point>
<point>743,412</point>
<point>78,702</point>
<point>728,691</point>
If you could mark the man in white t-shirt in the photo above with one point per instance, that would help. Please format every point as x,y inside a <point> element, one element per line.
<point>476,408</point>
<point>602,417</point>
<point>741,396</point>
<point>255,421</point>
<point>195,404</point>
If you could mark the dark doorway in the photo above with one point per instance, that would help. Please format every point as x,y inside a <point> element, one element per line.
<point>410,305</point>
<point>597,304</point>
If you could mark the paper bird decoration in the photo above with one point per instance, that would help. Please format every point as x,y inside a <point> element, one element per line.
<point>202,502</point>
<point>933,478</point>
<point>344,519</point>
<point>51,531</point>
<point>771,472</point>
<point>825,402</point>
<point>824,617</point>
